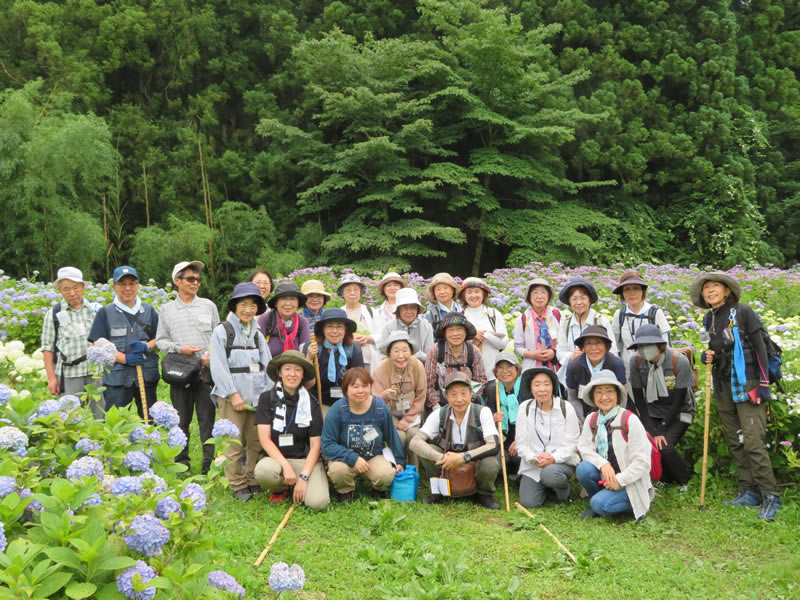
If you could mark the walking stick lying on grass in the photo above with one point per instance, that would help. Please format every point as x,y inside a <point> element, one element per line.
<point>548,532</point>
<point>142,393</point>
<point>274,536</point>
<point>502,448</point>
<point>705,434</point>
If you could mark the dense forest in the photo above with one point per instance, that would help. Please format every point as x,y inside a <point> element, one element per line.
<point>436,134</point>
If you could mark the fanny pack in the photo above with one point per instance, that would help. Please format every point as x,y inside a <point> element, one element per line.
<point>181,369</point>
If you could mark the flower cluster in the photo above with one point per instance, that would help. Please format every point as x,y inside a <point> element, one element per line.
<point>147,535</point>
<point>139,436</point>
<point>48,407</point>
<point>285,578</point>
<point>167,506</point>
<point>93,500</point>
<point>8,485</point>
<point>224,427</point>
<point>125,581</point>
<point>176,437</point>
<point>222,581</point>
<point>197,495</point>
<point>5,393</point>
<point>33,504</point>
<point>136,460</point>
<point>126,485</point>
<point>153,482</point>
<point>165,415</point>
<point>68,403</point>
<point>3,542</point>
<point>86,466</point>
<point>86,445</point>
<point>15,440</point>
<point>102,353</point>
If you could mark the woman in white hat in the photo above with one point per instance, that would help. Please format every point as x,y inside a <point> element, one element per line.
<point>492,333</point>
<point>615,453</point>
<point>408,318</point>
<point>351,289</point>
<point>441,294</point>
<point>388,286</point>
<point>536,329</point>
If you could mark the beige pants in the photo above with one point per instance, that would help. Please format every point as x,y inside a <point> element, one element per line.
<point>380,475</point>
<point>406,437</point>
<point>239,477</point>
<point>324,408</point>
<point>269,475</point>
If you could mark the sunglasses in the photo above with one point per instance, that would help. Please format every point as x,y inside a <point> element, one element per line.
<point>192,279</point>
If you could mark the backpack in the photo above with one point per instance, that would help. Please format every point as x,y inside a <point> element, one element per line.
<point>655,453</point>
<point>562,404</point>
<point>440,360</point>
<point>623,313</point>
<point>556,314</point>
<point>446,410</point>
<point>56,325</point>
<point>230,335</point>
<point>688,352</point>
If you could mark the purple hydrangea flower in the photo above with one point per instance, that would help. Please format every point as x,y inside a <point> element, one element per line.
<point>93,500</point>
<point>197,495</point>
<point>5,393</point>
<point>147,535</point>
<point>224,427</point>
<point>165,415</point>
<point>3,542</point>
<point>153,482</point>
<point>33,504</point>
<point>86,445</point>
<point>283,578</point>
<point>167,506</point>
<point>8,485</point>
<point>14,439</point>
<point>47,407</point>
<point>125,581</point>
<point>222,581</point>
<point>126,485</point>
<point>136,460</point>
<point>86,466</point>
<point>176,437</point>
<point>137,436</point>
<point>68,403</point>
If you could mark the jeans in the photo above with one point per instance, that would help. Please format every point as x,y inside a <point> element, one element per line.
<point>602,501</point>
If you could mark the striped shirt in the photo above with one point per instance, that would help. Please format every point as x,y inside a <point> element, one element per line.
<point>72,343</point>
<point>181,324</point>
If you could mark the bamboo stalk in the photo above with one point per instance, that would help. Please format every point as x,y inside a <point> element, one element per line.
<point>146,197</point>
<point>548,532</point>
<point>497,385</point>
<point>274,536</point>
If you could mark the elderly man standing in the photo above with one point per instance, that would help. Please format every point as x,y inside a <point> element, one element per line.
<point>131,326</point>
<point>185,325</point>
<point>64,338</point>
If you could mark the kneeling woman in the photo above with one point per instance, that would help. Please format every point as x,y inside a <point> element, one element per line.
<point>356,430</point>
<point>615,470</point>
<point>547,439</point>
<point>289,424</point>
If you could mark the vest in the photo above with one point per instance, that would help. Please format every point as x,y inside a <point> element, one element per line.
<point>123,330</point>
<point>446,424</point>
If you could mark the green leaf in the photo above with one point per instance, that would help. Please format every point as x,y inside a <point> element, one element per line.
<point>115,563</point>
<point>52,584</point>
<point>64,556</point>
<point>80,590</point>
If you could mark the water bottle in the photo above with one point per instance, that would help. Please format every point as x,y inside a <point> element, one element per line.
<point>405,484</point>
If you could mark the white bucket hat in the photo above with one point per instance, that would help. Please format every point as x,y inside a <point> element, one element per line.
<point>407,296</point>
<point>604,377</point>
<point>69,274</point>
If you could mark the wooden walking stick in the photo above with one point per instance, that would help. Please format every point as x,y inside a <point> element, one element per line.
<point>142,393</point>
<point>319,381</point>
<point>497,385</point>
<point>705,433</point>
<point>548,532</point>
<point>274,536</point>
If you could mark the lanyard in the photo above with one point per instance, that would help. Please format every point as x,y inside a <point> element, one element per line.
<point>291,419</point>
<point>535,420</point>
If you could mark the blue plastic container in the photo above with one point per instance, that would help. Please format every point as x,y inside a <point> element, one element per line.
<point>405,484</point>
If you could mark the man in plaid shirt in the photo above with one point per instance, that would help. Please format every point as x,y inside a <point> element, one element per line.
<point>64,331</point>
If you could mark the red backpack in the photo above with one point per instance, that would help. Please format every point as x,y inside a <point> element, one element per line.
<point>655,453</point>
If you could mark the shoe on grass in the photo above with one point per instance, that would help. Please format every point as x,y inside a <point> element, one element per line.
<point>487,501</point>
<point>344,496</point>
<point>770,507</point>
<point>433,499</point>
<point>279,496</point>
<point>243,494</point>
<point>256,490</point>
<point>745,497</point>
<point>588,514</point>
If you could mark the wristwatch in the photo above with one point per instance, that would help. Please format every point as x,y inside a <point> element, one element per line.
<point>303,476</point>
<point>467,457</point>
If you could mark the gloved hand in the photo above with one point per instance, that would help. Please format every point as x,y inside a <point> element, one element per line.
<point>763,393</point>
<point>138,346</point>
<point>704,355</point>
<point>134,358</point>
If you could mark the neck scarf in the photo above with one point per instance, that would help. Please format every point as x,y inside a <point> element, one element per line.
<point>337,349</point>
<point>509,402</point>
<point>303,416</point>
<point>445,310</point>
<point>602,432</point>
<point>656,384</point>
<point>738,375</point>
<point>288,337</point>
<point>125,308</point>
<point>543,339</point>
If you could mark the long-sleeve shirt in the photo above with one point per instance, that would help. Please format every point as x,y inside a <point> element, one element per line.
<point>491,321</point>
<point>658,415</point>
<point>411,387</point>
<point>526,336</point>
<point>553,432</point>
<point>419,331</point>
<point>749,325</point>
<point>623,336</point>
<point>571,330</point>
<point>428,442</point>
<point>73,331</point>
<point>181,324</point>
<point>268,325</point>
<point>436,372</point>
<point>253,354</point>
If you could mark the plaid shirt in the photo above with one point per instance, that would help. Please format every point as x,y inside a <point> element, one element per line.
<point>475,371</point>
<point>73,329</point>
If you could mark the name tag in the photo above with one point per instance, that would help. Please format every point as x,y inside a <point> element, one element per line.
<point>670,381</point>
<point>405,400</point>
<point>277,424</point>
<point>580,391</point>
<point>255,368</point>
<point>62,317</point>
<point>80,330</point>
<point>336,392</point>
<point>118,332</point>
<point>370,435</point>
<point>287,439</point>
<point>686,417</point>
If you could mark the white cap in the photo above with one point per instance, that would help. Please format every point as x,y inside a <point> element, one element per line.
<point>69,273</point>
<point>182,265</point>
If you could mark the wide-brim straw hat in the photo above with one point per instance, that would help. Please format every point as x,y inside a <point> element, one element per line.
<point>578,282</point>
<point>290,356</point>
<point>604,377</point>
<point>456,318</point>
<point>247,290</point>
<point>634,280</point>
<point>445,278</point>
<point>314,286</point>
<point>334,314</point>
<point>397,335</point>
<point>474,282</point>
<point>391,276</point>
<point>544,283</point>
<point>347,279</point>
<point>287,288</point>
<point>528,375</point>
<point>597,331</point>
<point>647,334</point>
<point>696,290</point>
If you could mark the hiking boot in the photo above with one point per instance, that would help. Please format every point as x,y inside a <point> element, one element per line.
<point>770,507</point>
<point>433,499</point>
<point>243,494</point>
<point>487,501</point>
<point>279,496</point>
<point>344,496</point>
<point>588,514</point>
<point>745,497</point>
<point>256,490</point>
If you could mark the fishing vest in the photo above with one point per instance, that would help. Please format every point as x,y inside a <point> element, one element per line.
<point>122,330</point>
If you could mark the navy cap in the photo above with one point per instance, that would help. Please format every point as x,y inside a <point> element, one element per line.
<point>123,271</point>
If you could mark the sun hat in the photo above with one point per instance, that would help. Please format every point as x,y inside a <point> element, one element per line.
<point>539,281</point>
<point>334,314</point>
<point>121,272</point>
<point>398,335</point>
<point>286,288</point>
<point>506,356</point>
<point>69,274</point>
<point>347,279</point>
<point>247,290</point>
<point>629,278</point>
<point>182,265</point>
<point>314,286</point>
<point>647,334</point>
<point>566,291</point>
<point>290,356</point>
<point>597,331</point>
<point>407,296</point>
<point>604,377</point>
<point>528,375</point>
<point>474,282</point>
<point>457,377</point>
<point>696,290</point>
<point>445,278</point>
<point>456,318</point>
<point>390,276</point>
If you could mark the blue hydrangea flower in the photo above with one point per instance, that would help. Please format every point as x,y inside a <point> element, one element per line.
<point>14,439</point>
<point>5,393</point>
<point>125,581</point>
<point>93,500</point>
<point>153,482</point>
<point>3,542</point>
<point>47,407</point>
<point>136,460</point>
<point>102,352</point>
<point>222,581</point>
<point>68,403</point>
<point>197,495</point>
<point>126,485</point>
<point>283,578</point>
<point>165,415</point>
<point>167,506</point>
<point>140,436</point>
<point>33,504</point>
<point>176,437</point>
<point>8,485</point>
<point>85,466</point>
<point>224,427</point>
<point>86,445</point>
<point>147,535</point>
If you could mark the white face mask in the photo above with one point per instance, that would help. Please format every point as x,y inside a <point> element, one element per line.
<point>648,351</point>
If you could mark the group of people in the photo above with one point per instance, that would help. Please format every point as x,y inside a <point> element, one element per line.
<point>332,394</point>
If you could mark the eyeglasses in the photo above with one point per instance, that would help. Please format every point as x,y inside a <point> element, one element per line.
<point>192,279</point>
